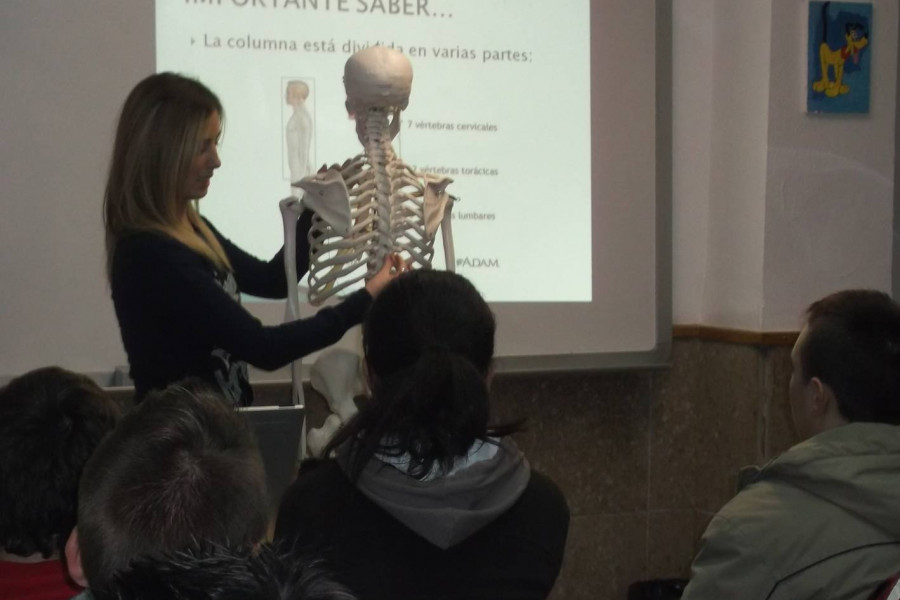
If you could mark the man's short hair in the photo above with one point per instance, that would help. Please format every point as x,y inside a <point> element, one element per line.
<point>219,573</point>
<point>51,420</point>
<point>182,468</point>
<point>853,345</point>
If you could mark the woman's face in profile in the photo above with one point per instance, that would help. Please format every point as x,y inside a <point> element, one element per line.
<point>200,171</point>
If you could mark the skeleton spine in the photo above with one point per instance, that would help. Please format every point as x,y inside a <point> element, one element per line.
<point>380,154</point>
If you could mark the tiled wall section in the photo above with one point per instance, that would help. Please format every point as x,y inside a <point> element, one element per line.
<point>645,458</point>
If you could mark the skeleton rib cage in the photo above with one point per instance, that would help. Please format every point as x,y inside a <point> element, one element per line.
<point>388,213</point>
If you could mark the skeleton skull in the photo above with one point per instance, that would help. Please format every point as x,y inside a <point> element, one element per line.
<point>377,78</point>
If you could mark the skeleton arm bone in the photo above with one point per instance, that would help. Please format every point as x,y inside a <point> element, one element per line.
<point>447,239</point>
<point>437,201</point>
<point>290,212</point>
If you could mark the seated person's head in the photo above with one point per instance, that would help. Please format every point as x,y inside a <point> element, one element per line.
<point>846,362</point>
<point>51,420</point>
<point>220,573</point>
<point>428,341</point>
<point>181,468</point>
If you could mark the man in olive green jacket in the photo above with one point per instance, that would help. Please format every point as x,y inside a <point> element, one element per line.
<point>823,519</point>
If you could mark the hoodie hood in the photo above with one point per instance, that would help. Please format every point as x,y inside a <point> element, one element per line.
<point>446,510</point>
<point>855,467</point>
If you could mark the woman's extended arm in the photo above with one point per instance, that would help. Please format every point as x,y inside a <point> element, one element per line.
<point>166,292</point>
<point>266,278</point>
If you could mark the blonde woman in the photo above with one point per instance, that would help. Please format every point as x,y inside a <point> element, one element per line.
<point>175,279</point>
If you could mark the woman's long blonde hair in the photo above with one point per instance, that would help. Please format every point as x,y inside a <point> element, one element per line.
<point>157,136</point>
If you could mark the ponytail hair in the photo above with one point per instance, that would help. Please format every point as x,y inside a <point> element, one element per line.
<point>429,341</point>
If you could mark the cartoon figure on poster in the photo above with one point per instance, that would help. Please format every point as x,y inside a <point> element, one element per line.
<point>839,57</point>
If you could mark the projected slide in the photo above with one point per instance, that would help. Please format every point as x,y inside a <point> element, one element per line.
<point>500,102</point>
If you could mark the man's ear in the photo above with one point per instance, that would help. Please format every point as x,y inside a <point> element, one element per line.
<point>824,405</point>
<point>73,559</point>
<point>817,396</point>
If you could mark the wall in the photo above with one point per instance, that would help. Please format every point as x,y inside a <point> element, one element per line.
<point>734,271</point>
<point>51,234</point>
<point>798,205</point>
<point>719,124</point>
<point>692,74</point>
<point>830,179</point>
<point>646,458</point>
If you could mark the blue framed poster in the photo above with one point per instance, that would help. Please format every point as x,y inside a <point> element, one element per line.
<point>839,53</point>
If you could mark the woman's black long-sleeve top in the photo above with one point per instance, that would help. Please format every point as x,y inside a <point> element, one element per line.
<point>181,317</point>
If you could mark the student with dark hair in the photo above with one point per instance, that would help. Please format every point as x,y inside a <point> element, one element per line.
<point>215,572</point>
<point>425,499</point>
<point>176,280</point>
<point>51,420</point>
<point>822,519</point>
<point>852,345</point>
<point>181,469</point>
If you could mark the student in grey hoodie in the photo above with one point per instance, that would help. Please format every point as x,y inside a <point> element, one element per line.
<point>424,499</point>
<point>823,519</point>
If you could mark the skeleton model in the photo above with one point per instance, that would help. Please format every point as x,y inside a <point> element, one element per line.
<point>373,204</point>
<point>369,207</point>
